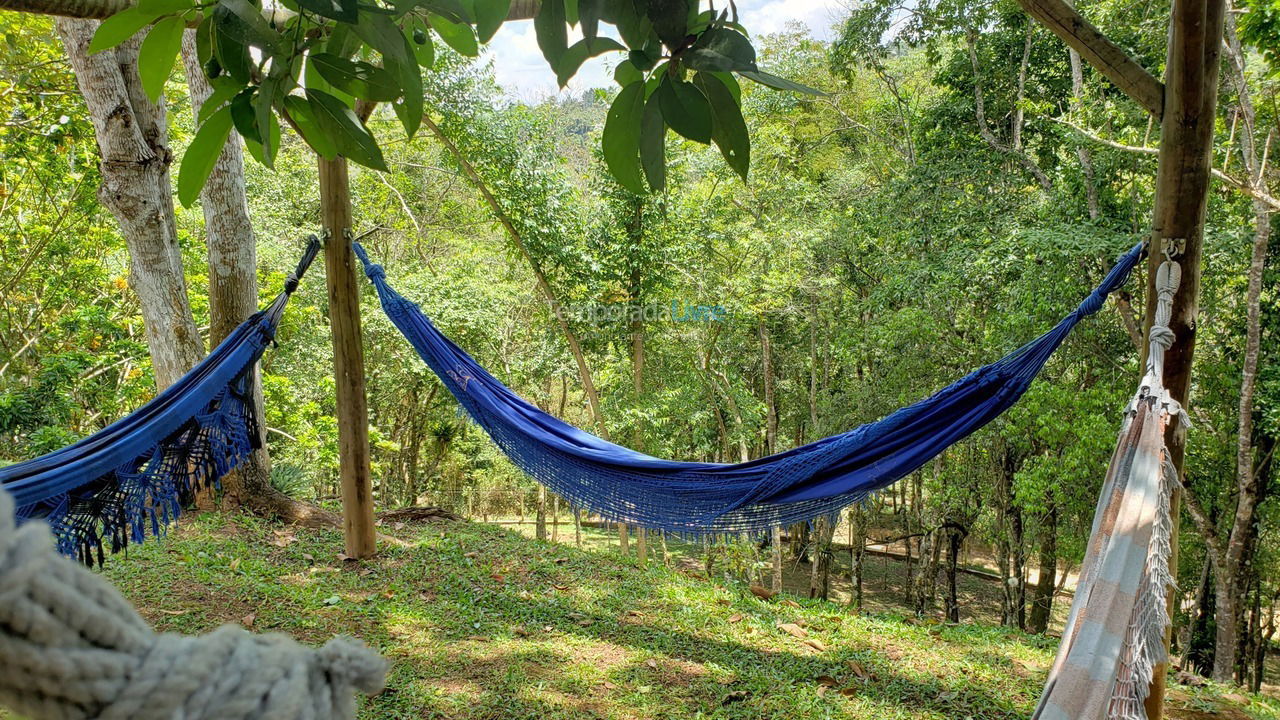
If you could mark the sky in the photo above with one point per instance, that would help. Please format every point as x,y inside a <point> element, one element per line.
<point>524,74</point>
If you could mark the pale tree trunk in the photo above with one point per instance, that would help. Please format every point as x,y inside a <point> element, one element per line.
<point>775,548</point>
<point>857,553</point>
<point>1231,558</point>
<point>132,136</point>
<point>1042,599</point>
<point>540,515</point>
<point>233,298</point>
<point>1082,152</point>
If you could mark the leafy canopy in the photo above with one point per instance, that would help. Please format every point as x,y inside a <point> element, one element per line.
<point>320,65</point>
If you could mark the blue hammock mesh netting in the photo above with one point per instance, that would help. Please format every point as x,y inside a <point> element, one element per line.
<point>691,497</point>
<point>132,477</point>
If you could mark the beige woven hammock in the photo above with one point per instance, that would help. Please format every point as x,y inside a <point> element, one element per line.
<point>1114,636</point>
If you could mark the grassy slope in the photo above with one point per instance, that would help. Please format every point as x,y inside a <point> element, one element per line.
<point>481,622</point>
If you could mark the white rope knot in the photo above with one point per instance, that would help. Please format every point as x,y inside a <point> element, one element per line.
<point>72,647</point>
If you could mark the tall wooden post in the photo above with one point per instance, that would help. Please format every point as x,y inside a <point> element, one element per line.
<point>348,359</point>
<point>1182,186</point>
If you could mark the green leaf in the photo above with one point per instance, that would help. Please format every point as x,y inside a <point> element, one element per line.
<point>685,109</point>
<point>118,28</point>
<point>578,53</point>
<point>490,14</point>
<point>263,104</point>
<point>242,116</point>
<point>620,140</point>
<point>157,53</point>
<point>348,134</point>
<point>313,80</point>
<point>224,88</point>
<point>340,10</point>
<point>381,32</point>
<point>778,83</point>
<point>730,130</point>
<point>730,82</point>
<point>458,36</point>
<point>356,78</point>
<point>229,46</point>
<point>343,42</point>
<point>653,136</point>
<point>424,50</point>
<point>571,12</point>
<point>626,73</point>
<point>257,31</point>
<point>266,155</point>
<point>553,37</point>
<point>670,20</point>
<point>589,12</point>
<point>308,126</point>
<point>721,49</point>
<point>201,155</point>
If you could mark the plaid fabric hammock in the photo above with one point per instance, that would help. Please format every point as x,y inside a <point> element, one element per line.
<point>110,488</point>
<point>1114,636</point>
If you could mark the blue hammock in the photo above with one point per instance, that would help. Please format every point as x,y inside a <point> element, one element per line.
<point>136,473</point>
<point>796,485</point>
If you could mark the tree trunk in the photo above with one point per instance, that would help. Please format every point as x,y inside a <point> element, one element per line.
<point>1082,151</point>
<point>775,543</point>
<point>857,553</point>
<point>132,134</point>
<point>1042,599</point>
<point>770,404</point>
<point>233,298</point>
<point>540,518</point>
<point>955,536</point>
<point>1234,561</point>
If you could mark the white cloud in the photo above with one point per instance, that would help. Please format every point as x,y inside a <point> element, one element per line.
<point>523,72</point>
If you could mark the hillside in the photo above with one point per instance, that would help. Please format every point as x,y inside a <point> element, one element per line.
<point>481,622</point>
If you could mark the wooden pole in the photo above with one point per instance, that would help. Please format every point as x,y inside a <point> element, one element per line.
<point>348,359</point>
<point>1182,186</point>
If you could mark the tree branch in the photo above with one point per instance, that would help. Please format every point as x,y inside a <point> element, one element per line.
<point>1106,56</point>
<point>1242,186</point>
<point>102,9</point>
<point>985,130</point>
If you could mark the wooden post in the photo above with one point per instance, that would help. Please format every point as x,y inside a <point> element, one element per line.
<point>1182,186</point>
<point>348,359</point>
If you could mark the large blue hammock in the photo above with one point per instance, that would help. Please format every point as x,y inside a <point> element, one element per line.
<point>795,485</point>
<point>134,475</point>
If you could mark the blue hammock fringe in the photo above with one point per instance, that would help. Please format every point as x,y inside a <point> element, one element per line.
<point>134,476</point>
<point>690,497</point>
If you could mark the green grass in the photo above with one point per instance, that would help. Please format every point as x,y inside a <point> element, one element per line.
<point>481,622</point>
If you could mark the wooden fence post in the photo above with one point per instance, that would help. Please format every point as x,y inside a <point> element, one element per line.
<point>348,359</point>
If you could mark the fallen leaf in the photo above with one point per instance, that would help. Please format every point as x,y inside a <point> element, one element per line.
<point>858,670</point>
<point>608,685</point>
<point>815,644</point>
<point>584,623</point>
<point>791,603</point>
<point>560,560</point>
<point>343,557</point>
<point>948,696</point>
<point>521,630</point>
<point>308,557</point>
<point>366,572</point>
<point>822,690</point>
<point>762,592</point>
<point>427,596</point>
<point>735,696</point>
<point>471,554</point>
<point>653,664</point>
<point>635,613</point>
<point>478,638</point>
<point>235,564</point>
<point>496,576</point>
<point>848,692</point>
<point>560,587</point>
<point>827,680</point>
<point>398,526</point>
<point>793,629</point>
<point>248,620</point>
<point>736,617</point>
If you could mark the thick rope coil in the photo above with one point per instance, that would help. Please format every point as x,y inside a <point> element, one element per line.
<point>72,647</point>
